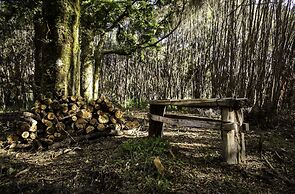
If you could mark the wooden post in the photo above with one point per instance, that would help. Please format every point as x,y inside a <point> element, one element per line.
<point>245,127</point>
<point>243,149</point>
<point>228,137</point>
<point>241,136</point>
<point>233,140</point>
<point>155,127</point>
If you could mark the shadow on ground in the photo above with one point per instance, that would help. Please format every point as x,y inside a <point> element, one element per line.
<point>193,164</point>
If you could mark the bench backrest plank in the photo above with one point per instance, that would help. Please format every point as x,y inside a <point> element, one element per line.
<point>187,121</point>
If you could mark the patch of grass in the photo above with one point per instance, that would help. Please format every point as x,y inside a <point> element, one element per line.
<point>136,103</point>
<point>145,147</point>
<point>140,154</point>
<point>157,185</point>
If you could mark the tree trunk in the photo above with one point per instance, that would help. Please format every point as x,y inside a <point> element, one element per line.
<point>97,66</point>
<point>91,64</point>
<point>59,66</point>
<point>87,70</point>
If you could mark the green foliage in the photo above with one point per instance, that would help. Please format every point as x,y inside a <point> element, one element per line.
<point>17,12</point>
<point>146,147</point>
<point>133,24</point>
<point>157,185</point>
<point>173,108</point>
<point>136,103</point>
<point>142,152</point>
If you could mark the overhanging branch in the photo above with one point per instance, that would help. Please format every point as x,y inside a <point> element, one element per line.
<point>143,45</point>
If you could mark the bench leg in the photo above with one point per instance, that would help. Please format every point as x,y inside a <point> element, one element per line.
<point>155,127</point>
<point>241,136</point>
<point>233,140</point>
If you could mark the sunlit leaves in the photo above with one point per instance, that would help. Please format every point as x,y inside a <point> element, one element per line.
<point>133,23</point>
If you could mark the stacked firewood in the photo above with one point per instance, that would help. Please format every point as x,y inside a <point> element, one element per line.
<point>57,119</point>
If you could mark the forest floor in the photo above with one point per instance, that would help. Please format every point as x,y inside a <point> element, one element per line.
<point>124,164</point>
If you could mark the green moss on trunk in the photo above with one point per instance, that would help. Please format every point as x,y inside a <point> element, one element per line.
<point>91,64</point>
<point>87,64</point>
<point>97,66</point>
<point>61,42</point>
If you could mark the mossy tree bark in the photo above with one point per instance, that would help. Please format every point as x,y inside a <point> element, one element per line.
<point>91,57</point>
<point>97,65</point>
<point>59,65</point>
<point>87,61</point>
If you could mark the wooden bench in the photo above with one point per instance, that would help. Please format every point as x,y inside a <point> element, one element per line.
<point>231,123</point>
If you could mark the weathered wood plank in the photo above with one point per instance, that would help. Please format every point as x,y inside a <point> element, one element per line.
<point>182,116</point>
<point>236,103</point>
<point>193,122</point>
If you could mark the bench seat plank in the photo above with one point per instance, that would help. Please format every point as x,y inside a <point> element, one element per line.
<point>205,103</point>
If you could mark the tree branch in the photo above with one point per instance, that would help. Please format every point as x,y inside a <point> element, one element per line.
<point>121,17</point>
<point>140,46</point>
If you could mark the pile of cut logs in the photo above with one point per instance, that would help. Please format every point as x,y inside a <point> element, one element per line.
<point>55,120</point>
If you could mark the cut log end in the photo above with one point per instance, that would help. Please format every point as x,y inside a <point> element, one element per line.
<point>100,127</point>
<point>89,129</point>
<point>103,118</point>
<point>119,114</point>
<point>26,134</point>
<point>33,135</point>
<point>50,116</point>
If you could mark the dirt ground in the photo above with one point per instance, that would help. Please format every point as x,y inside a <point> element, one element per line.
<point>192,162</point>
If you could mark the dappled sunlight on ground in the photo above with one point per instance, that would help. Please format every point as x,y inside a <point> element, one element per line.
<point>193,164</point>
